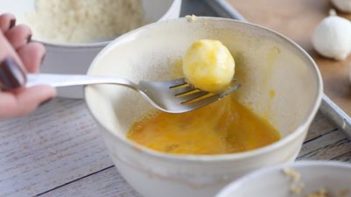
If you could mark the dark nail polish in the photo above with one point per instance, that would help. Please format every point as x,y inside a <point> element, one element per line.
<point>45,102</point>
<point>11,74</point>
<point>29,38</point>
<point>12,23</point>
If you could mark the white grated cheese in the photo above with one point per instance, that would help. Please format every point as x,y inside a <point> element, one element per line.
<point>83,21</point>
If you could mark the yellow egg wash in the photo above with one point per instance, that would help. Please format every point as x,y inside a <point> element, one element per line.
<point>225,126</point>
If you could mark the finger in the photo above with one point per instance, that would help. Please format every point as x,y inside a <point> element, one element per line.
<point>25,101</point>
<point>19,36</point>
<point>30,98</point>
<point>32,56</point>
<point>7,21</point>
<point>7,105</point>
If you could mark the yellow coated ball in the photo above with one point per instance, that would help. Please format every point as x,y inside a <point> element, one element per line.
<point>208,65</point>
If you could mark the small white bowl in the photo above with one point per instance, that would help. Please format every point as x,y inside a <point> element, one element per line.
<point>333,176</point>
<point>75,58</point>
<point>279,81</point>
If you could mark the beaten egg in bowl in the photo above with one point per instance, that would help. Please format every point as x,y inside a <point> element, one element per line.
<point>222,127</point>
<point>225,126</point>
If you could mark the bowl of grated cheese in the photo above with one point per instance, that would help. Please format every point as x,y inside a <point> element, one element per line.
<point>74,31</point>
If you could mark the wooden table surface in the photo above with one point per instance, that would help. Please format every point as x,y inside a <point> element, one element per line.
<point>57,151</point>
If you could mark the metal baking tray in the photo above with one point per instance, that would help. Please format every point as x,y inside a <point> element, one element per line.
<point>221,8</point>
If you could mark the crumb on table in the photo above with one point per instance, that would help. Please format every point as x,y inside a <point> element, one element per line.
<point>191,18</point>
<point>322,192</point>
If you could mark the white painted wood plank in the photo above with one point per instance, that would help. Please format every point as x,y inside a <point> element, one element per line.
<point>51,147</point>
<point>326,147</point>
<point>330,152</point>
<point>107,183</point>
<point>320,125</point>
<point>345,157</point>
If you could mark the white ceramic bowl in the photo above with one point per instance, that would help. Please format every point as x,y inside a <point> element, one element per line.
<point>267,64</point>
<point>335,177</point>
<point>75,58</point>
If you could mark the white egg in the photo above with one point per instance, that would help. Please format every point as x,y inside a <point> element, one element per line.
<point>332,37</point>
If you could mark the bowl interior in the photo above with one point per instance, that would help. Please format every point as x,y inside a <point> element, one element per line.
<point>332,176</point>
<point>279,81</point>
<point>154,10</point>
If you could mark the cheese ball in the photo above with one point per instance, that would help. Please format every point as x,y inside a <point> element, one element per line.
<point>208,65</point>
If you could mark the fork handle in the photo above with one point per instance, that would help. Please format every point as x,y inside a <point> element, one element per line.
<point>61,80</point>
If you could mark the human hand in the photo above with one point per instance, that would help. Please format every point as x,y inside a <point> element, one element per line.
<point>18,52</point>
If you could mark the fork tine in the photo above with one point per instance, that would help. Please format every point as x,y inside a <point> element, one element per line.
<point>204,101</point>
<point>187,91</point>
<point>194,96</point>
<point>182,90</point>
<point>177,82</point>
<point>210,99</point>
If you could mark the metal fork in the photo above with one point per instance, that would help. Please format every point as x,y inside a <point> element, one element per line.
<point>175,96</point>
